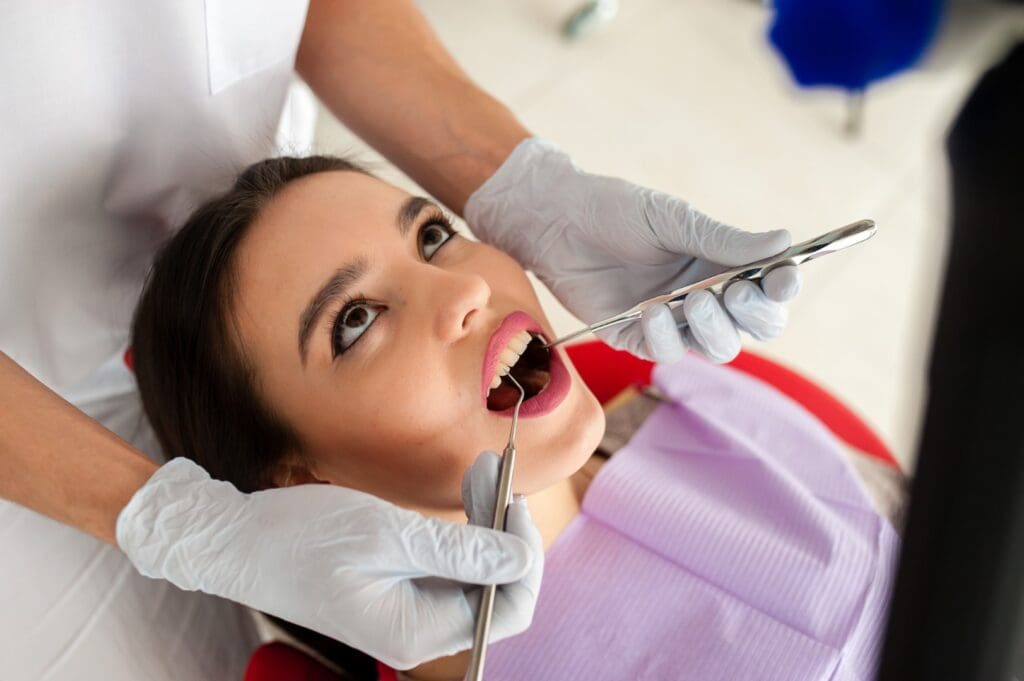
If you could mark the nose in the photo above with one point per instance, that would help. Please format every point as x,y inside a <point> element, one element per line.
<point>460,299</point>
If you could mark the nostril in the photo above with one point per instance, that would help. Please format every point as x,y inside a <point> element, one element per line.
<point>466,320</point>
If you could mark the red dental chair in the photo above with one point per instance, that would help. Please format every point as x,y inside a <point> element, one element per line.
<point>607,372</point>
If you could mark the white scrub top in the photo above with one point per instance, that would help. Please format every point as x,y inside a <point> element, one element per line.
<point>117,117</point>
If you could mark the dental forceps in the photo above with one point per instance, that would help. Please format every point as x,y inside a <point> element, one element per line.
<point>830,242</point>
<point>483,618</point>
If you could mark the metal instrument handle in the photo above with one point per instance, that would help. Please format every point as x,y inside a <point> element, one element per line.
<point>483,619</point>
<point>830,242</point>
<point>475,670</point>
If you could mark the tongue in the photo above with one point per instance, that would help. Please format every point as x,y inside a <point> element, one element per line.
<point>532,380</point>
<point>503,397</point>
<point>506,395</point>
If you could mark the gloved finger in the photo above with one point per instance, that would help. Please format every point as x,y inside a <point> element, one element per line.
<point>782,283</point>
<point>430,620</point>
<point>515,602</point>
<point>685,230</point>
<point>754,311</point>
<point>710,327</point>
<point>628,337</point>
<point>480,488</point>
<point>664,343</point>
<point>464,553</point>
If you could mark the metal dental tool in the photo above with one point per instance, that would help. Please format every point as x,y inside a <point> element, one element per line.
<point>483,618</point>
<point>830,242</point>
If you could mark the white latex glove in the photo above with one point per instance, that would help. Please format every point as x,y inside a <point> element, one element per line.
<point>335,560</point>
<point>602,245</point>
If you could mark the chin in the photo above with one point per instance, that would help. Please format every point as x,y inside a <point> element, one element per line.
<point>592,431</point>
<point>586,425</point>
<point>557,459</point>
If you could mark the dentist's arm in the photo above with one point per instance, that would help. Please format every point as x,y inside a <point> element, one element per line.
<point>381,70</point>
<point>284,551</point>
<point>59,462</point>
<point>600,244</point>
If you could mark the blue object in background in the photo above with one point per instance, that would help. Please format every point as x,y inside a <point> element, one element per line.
<point>852,43</point>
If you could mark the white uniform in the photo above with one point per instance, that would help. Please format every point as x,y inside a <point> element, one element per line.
<point>116,119</point>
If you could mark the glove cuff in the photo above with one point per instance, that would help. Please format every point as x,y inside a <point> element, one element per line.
<point>515,209</point>
<point>153,528</point>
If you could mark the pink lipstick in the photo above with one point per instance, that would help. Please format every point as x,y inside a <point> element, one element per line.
<point>560,382</point>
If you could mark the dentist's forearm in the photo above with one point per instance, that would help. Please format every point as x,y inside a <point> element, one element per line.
<point>381,70</point>
<point>59,462</point>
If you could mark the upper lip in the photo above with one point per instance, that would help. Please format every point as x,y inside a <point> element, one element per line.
<point>509,327</point>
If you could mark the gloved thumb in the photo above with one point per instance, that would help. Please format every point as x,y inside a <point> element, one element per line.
<point>730,246</point>
<point>686,231</point>
<point>480,488</point>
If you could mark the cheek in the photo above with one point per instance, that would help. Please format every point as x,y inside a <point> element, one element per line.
<point>405,439</point>
<point>503,273</point>
<point>394,465</point>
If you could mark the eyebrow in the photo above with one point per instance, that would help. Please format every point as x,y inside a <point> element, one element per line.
<point>345,277</point>
<point>407,213</point>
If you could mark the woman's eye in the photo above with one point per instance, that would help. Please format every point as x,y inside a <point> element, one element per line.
<point>353,320</point>
<point>433,235</point>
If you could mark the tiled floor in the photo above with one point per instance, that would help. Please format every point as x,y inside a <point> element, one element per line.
<point>685,96</point>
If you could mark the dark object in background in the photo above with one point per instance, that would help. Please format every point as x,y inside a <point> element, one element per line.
<point>956,609</point>
<point>851,43</point>
<point>354,665</point>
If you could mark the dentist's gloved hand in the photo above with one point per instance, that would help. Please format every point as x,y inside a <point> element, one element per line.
<point>602,245</point>
<point>342,562</point>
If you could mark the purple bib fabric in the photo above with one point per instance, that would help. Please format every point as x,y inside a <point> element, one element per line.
<point>728,540</point>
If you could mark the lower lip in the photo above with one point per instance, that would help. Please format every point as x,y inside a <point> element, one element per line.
<point>548,399</point>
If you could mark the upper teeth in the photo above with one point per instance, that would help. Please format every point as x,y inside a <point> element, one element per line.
<point>509,356</point>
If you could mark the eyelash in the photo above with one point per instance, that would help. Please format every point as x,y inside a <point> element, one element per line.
<point>434,218</point>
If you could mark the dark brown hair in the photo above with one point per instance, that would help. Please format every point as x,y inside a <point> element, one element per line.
<point>197,387</point>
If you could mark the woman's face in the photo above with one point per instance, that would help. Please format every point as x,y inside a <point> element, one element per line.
<point>375,332</point>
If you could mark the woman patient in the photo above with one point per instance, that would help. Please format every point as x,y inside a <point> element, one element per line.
<point>317,325</point>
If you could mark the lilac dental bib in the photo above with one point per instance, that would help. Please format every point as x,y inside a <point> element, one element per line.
<point>728,540</point>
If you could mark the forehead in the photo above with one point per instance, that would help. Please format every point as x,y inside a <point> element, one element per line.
<point>321,219</point>
<point>328,202</point>
<point>314,226</point>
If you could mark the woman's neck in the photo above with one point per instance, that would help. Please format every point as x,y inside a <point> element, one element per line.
<point>552,508</point>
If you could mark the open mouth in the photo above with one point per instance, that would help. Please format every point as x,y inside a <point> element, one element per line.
<point>528,361</point>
